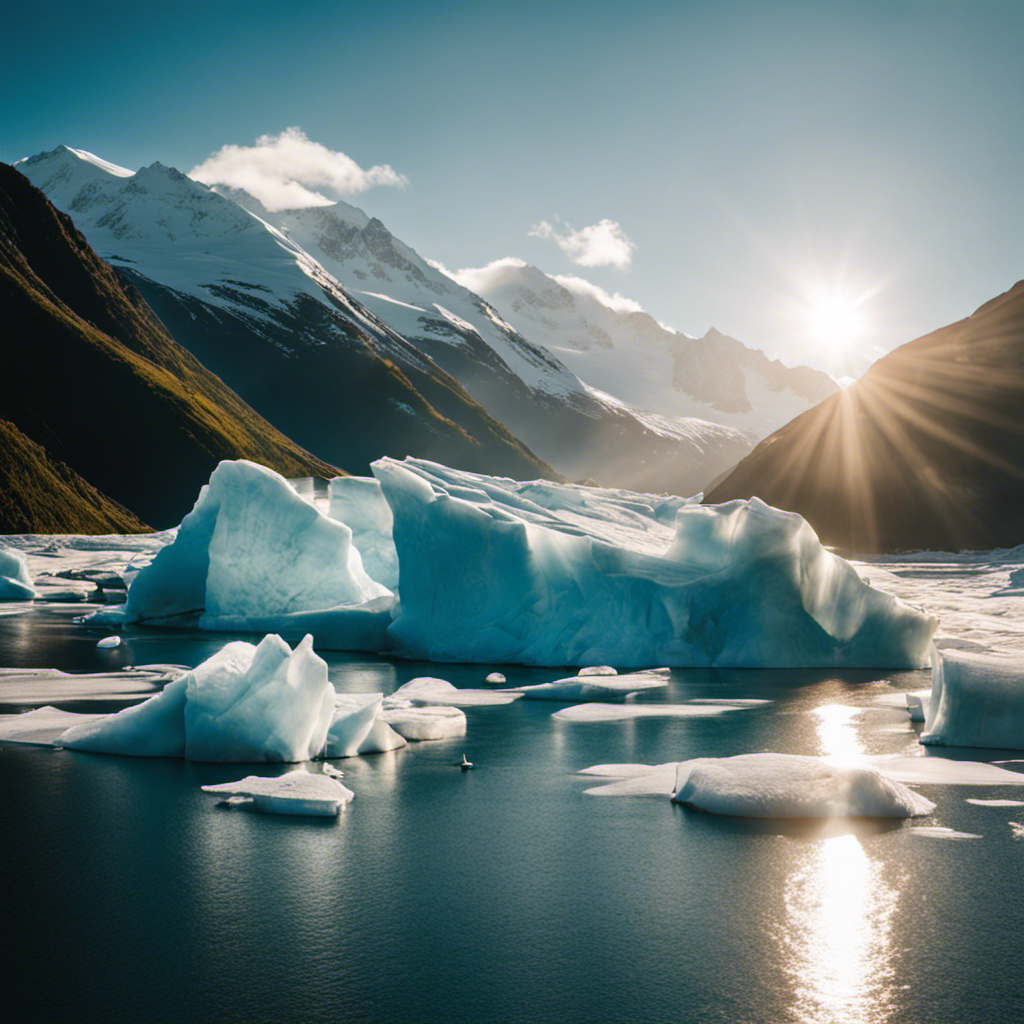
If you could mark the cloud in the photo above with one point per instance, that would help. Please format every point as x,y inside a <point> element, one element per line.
<point>483,280</point>
<point>283,171</point>
<point>599,245</point>
<point>580,286</point>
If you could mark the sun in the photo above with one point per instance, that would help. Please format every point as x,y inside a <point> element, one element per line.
<point>837,321</point>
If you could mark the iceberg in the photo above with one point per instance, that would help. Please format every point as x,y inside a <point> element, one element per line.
<point>15,581</point>
<point>547,574</point>
<point>977,700</point>
<point>429,723</point>
<point>358,502</point>
<point>254,555</point>
<point>352,722</point>
<point>246,703</point>
<point>792,786</point>
<point>298,792</point>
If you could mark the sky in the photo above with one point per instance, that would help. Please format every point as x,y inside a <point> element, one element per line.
<point>824,181</point>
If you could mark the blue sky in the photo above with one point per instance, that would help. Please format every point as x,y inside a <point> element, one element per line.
<point>758,156</point>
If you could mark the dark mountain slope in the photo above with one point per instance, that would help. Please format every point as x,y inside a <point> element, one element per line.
<point>94,377</point>
<point>41,495</point>
<point>926,450</point>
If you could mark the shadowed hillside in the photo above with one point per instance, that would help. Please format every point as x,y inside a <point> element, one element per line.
<point>926,450</point>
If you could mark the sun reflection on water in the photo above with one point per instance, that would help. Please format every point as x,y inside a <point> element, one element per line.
<point>836,935</point>
<point>838,734</point>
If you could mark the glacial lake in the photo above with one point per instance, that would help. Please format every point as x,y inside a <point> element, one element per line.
<point>504,894</point>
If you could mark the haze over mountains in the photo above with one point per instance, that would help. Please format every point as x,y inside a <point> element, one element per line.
<point>303,302</point>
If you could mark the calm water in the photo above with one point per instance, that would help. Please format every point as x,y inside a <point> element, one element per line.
<point>502,894</point>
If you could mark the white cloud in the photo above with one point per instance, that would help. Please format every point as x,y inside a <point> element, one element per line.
<point>599,245</point>
<point>484,280</point>
<point>580,286</point>
<point>283,171</point>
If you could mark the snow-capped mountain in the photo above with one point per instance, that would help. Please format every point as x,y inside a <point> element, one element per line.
<point>582,430</point>
<point>617,347</point>
<point>272,322</point>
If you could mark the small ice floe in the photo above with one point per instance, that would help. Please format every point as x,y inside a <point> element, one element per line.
<point>597,686</point>
<point>1017,828</point>
<point>108,642</point>
<point>465,765</point>
<point>634,779</point>
<point>600,712</point>
<point>429,723</point>
<point>426,691</point>
<point>917,707</point>
<point>335,773</point>
<point>298,792</point>
<point>942,770</point>
<point>994,803</point>
<point>40,727</point>
<point>497,678</point>
<point>598,670</point>
<point>792,786</point>
<point>941,832</point>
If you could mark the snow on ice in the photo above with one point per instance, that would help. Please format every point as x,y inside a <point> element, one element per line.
<point>298,792</point>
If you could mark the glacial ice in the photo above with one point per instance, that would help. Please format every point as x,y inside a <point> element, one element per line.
<point>298,792</point>
<point>426,691</point>
<point>381,738</point>
<point>40,727</point>
<point>358,502</point>
<point>246,703</point>
<point>351,723</point>
<point>615,712</point>
<point>977,700</point>
<point>792,786</point>
<point>15,581</point>
<point>252,554</point>
<point>429,723</point>
<point>597,686</point>
<point>489,573</point>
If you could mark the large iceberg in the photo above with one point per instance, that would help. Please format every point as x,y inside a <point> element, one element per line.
<point>15,581</point>
<point>977,700</point>
<point>246,703</point>
<point>792,786</point>
<point>254,555</point>
<point>548,574</point>
<point>358,502</point>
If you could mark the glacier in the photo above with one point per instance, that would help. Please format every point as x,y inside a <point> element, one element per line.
<point>792,786</point>
<point>253,555</point>
<point>500,572</point>
<point>977,700</point>
<point>15,581</point>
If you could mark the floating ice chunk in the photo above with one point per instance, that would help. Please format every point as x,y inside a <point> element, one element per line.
<point>603,712</point>
<point>994,803</point>
<point>494,577</point>
<point>108,618</point>
<point>46,685</point>
<point>941,832</point>
<point>427,690</point>
<point>496,677</point>
<point>245,703</point>
<point>251,549</point>
<point>381,738</point>
<point>108,642</point>
<point>15,581</point>
<point>298,792</point>
<point>430,723</point>
<point>335,773</point>
<point>597,686</point>
<point>40,727</point>
<point>264,703</point>
<point>354,715</point>
<point>792,786</point>
<point>977,700</point>
<point>154,728</point>
<point>1017,828</point>
<point>634,780</point>
<point>358,502</point>
<point>943,771</point>
<point>598,670</point>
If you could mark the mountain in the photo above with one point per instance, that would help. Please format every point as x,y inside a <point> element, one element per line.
<point>616,346</point>
<point>38,494</point>
<point>926,450</point>
<point>577,428</point>
<point>94,379</point>
<point>267,317</point>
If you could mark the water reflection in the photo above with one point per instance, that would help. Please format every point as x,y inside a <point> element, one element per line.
<point>836,939</point>
<point>838,734</point>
